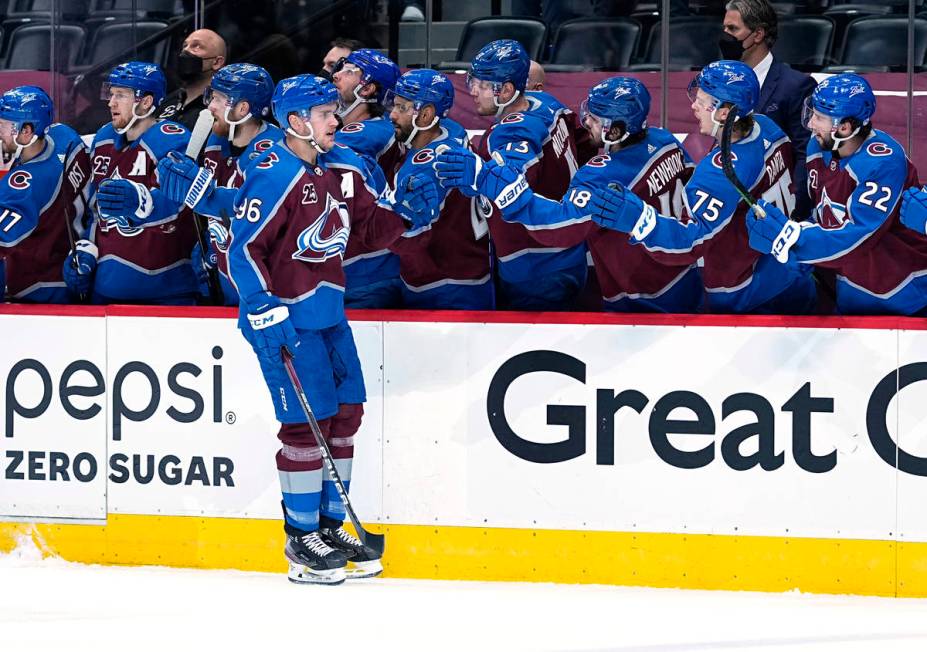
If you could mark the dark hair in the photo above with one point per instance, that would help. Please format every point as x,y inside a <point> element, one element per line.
<point>347,43</point>
<point>757,14</point>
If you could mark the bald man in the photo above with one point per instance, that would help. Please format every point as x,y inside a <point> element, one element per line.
<point>203,53</point>
<point>535,77</point>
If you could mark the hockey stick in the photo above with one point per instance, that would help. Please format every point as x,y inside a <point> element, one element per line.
<point>376,542</point>
<point>69,219</point>
<point>727,164</point>
<point>194,146</point>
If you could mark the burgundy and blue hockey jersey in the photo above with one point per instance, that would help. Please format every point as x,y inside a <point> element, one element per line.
<point>40,200</point>
<point>656,169</point>
<point>228,165</point>
<point>737,278</point>
<point>291,229</point>
<point>537,142</point>
<point>446,265</point>
<point>148,264</point>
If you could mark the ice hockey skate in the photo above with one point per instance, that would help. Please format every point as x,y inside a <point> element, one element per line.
<point>312,561</point>
<point>363,560</point>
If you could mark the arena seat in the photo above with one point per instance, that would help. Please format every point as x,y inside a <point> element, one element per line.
<point>876,43</point>
<point>693,43</point>
<point>530,32</point>
<point>31,45</point>
<point>615,41</point>
<point>115,37</point>
<point>805,42</point>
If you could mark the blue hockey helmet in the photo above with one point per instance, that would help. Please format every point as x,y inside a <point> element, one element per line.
<point>731,82</point>
<point>843,97</point>
<point>144,78</point>
<point>243,82</point>
<point>299,94</point>
<point>374,67</point>
<point>501,61</point>
<point>27,105</point>
<point>618,100</point>
<point>425,86</point>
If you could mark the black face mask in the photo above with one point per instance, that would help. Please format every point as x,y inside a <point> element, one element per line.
<point>731,47</point>
<point>189,66</point>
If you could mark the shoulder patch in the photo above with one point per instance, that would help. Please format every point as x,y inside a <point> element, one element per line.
<point>353,128</point>
<point>423,156</point>
<point>171,129</point>
<point>263,145</point>
<point>19,180</point>
<point>716,159</point>
<point>268,161</point>
<point>879,149</point>
<point>512,117</point>
<point>599,161</point>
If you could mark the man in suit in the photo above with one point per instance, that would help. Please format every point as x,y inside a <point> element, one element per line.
<point>750,30</point>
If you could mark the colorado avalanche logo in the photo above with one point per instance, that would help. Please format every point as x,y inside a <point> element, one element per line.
<point>327,237</point>
<point>830,214</point>
<point>19,180</point>
<point>107,224</point>
<point>423,156</point>
<point>352,128</point>
<point>599,161</point>
<point>879,149</point>
<point>512,117</point>
<point>171,129</point>
<point>263,145</point>
<point>716,159</point>
<point>219,234</point>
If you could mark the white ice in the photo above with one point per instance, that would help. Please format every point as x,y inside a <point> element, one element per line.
<point>59,606</point>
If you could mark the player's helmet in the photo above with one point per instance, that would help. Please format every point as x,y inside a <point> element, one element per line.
<point>621,100</point>
<point>425,86</point>
<point>143,78</point>
<point>375,67</point>
<point>299,94</point>
<point>732,82</point>
<point>27,105</point>
<point>243,82</point>
<point>842,97</point>
<point>499,62</point>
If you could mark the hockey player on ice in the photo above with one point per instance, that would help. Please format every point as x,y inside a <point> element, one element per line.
<point>648,160</point>
<point>137,249</point>
<point>41,195</point>
<point>444,265</point>
<point>300,202</point>
<point>239,99</point>
<point>856,177</point>
<point>737,278</point>
<point>532,134</point>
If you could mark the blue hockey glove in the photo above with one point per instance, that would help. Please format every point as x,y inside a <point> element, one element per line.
<point>616,208</point>
<point>126,202</point>
<point>914,209</point>
<point>79,267</point>
<point>202,265</point>
<point>459,168</point>
<point>775,234</point>
<point>271,328</point>
<point>183,181</point>
<point>418,200</point>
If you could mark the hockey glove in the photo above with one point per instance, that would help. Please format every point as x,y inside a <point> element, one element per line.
<point>183,181</point>
<point>271,328</point>
<point>125,202</point>
<point>79,267</point>
<point>616,208</point>
<point>775,234</point>
<point>459,168</point>
<point>418,200</point>
<point>914,209</point>
<point>505,186</point>
<point>202,265</point>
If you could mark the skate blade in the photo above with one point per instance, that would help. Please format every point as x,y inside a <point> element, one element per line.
<point>360,569</point>
<point>300,574</point>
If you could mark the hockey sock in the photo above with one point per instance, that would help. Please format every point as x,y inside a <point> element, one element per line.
<point>341,443</point>
<point>299,464</point>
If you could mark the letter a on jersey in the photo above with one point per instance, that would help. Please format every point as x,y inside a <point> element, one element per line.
<point>139,167</point>
<point>327,236</point>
